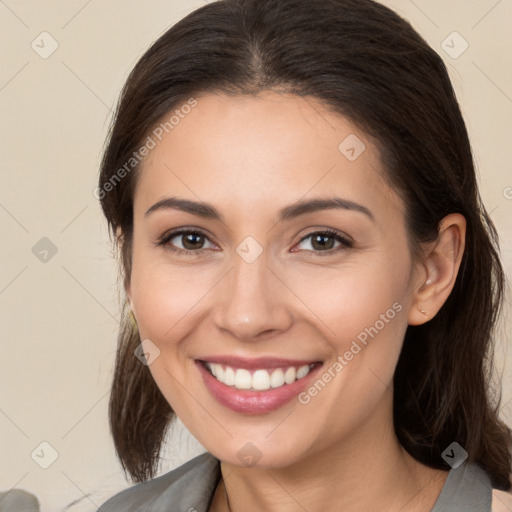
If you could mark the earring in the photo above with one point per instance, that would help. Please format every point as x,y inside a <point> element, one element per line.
<point>132,318</point>
<point>134,322</point>
<point>421,310</point>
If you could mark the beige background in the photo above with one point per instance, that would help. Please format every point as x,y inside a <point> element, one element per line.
<point>59,317</point>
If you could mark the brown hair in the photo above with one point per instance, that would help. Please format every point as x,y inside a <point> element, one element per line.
<point>364,62</point>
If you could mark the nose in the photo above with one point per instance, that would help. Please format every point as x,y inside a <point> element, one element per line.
<point>252,301</point>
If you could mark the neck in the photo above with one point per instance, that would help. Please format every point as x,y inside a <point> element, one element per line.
<point>368,470</point>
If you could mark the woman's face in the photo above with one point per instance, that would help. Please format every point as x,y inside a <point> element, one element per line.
<point>263,294</point>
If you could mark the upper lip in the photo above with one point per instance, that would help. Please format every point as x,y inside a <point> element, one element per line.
<point>256,362</point>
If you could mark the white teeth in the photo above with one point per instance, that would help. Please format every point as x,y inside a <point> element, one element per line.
<point>277,378</point>
<point>242,379</point>
<point>229,376</point>
<point>302,371</point>
<point>289,375</point>
<point>260,380</point>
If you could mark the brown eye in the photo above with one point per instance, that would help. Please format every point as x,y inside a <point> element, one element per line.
<point>192,241</point>
<point>184,241</point>
<point>324,242</point>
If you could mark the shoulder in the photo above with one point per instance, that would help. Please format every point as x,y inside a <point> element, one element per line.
<point>468,488</point>
<point>188,487</point>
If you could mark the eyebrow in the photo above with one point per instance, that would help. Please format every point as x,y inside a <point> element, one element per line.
<point>207,211</point>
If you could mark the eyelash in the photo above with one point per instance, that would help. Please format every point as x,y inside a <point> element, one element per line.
<point>164,240</point>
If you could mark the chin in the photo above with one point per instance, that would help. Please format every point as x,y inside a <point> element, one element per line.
<point>261,453</point>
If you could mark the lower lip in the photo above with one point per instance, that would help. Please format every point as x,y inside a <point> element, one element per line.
<point>254,402</point>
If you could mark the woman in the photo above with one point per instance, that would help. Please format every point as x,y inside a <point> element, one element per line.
<point>312,280</point>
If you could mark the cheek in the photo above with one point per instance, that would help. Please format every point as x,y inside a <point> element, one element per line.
<point>362,316</point>
<point>357,302</point>
<point>167,298</point>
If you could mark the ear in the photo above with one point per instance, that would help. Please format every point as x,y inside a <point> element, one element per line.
<point>440,269</point>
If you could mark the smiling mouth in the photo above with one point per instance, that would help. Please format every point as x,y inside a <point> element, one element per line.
<point>258,379</point>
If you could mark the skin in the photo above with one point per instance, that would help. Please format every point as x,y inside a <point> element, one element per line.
<point>249,156</point>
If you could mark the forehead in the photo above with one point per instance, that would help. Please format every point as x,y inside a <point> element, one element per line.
<point>256,150</point>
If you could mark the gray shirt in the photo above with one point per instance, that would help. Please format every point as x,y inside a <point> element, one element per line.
<point>190,488</point>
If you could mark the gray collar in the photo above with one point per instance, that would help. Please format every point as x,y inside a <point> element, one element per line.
<point>190,488</point>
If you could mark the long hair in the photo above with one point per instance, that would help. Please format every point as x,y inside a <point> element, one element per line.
<point>364,62</point>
